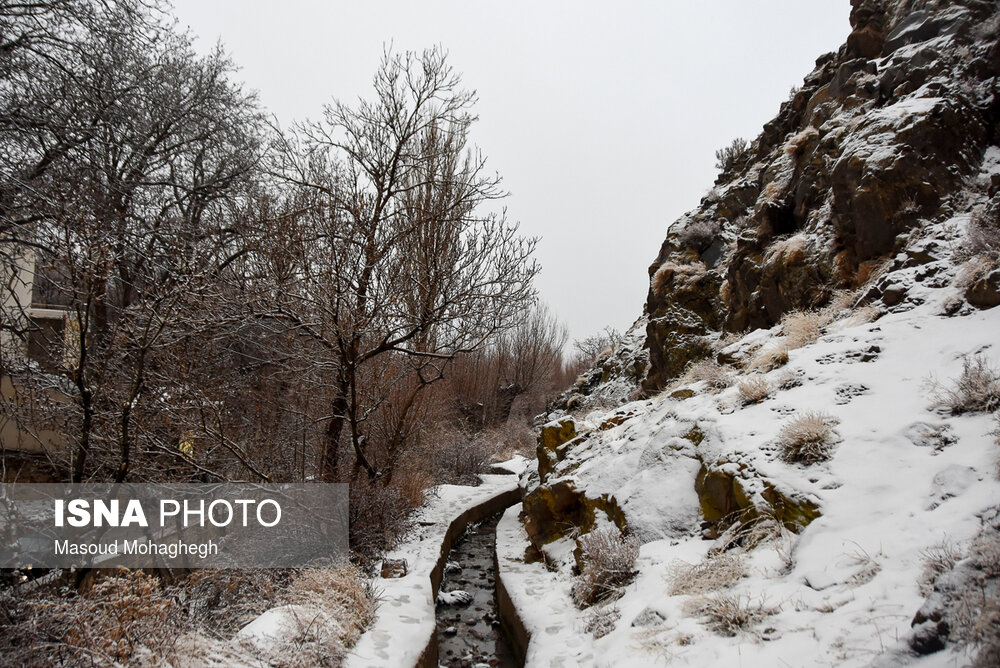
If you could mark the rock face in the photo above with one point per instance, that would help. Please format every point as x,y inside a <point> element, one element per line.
<point>877,138</point>
<point>887,135</point>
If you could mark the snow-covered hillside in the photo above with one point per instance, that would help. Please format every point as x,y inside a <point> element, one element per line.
<point>808,463</point>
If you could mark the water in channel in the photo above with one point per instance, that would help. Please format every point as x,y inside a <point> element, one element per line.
<point>469,634</point>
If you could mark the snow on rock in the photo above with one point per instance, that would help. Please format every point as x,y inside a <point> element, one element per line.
<point>456,597</point>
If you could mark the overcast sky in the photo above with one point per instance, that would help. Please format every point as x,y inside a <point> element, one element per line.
<point>601,117</point>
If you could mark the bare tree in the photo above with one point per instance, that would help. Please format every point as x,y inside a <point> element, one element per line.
<point>399,264</point>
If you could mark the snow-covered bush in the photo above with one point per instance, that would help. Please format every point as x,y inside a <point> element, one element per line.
<point>699,235</point>
<point>609,564</point>
<point>977,388</point>
<point>754,389</point>
<point>807,439</point>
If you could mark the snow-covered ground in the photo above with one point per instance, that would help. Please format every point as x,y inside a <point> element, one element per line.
<point>904,477</point>
<point>405,621</point>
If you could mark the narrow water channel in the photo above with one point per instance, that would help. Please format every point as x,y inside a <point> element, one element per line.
<point>469,633</point>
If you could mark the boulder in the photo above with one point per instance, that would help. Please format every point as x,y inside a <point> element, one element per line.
<point>984,292</point>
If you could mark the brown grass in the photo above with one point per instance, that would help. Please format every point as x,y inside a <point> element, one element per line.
<point>715,572</point>
<point>769,358</point>
<point>609,564</point>
<point>715,376</point>
<point>807,439</point>
<point>754,389</point>
<point>731,614</point>
<point>801,328</point>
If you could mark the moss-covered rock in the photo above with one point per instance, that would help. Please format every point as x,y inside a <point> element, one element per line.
<point>558,510</point>
<point>725,500</point>
<point>551,439</point>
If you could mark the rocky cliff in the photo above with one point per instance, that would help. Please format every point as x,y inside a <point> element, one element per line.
<point>802,362</point>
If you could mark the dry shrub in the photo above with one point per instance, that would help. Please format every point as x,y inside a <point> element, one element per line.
<point>699,235</point>
<point>754,389</point>
<point>732,155</point>
<point>458,456</point>
<point>730,614</point>
<point>609,564</point>
<point>679,277</point>
<point>983,235</point>
<point>801,328</point>
<point>714,573</point>
<point>977,388</point>
<point>379,516</point>
<point>344,591</point>
<point>769,358</point>
<point>807,439</point>
<point>121,617</point>
<point>715,376</point>
<point>797,142</point>
<point>220,602</point>
<point>974,603</point>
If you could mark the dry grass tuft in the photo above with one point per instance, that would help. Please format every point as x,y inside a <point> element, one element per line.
<point>976,390</point>
<point>609,564</point>
<point>731,614</point>
<point>345,592</point>
<point>937,560</point>
<point>797,142</point>
<point>714,573</point>
<point>674,276</point>
<point>807,439</point>
<point>754,389</point>
<point>769,358</point>
<point>803,327</point>
<point>715,376</point>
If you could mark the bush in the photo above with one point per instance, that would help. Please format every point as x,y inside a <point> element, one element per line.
<point>379,516</point>
<point>807,439</point>
<point>728,157</point>
<point>699,235</point>
<point>977,388</point>
<point>754,389</point>
<point>609,564</point>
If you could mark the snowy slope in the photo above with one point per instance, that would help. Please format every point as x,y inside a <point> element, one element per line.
<point>904,477</point>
